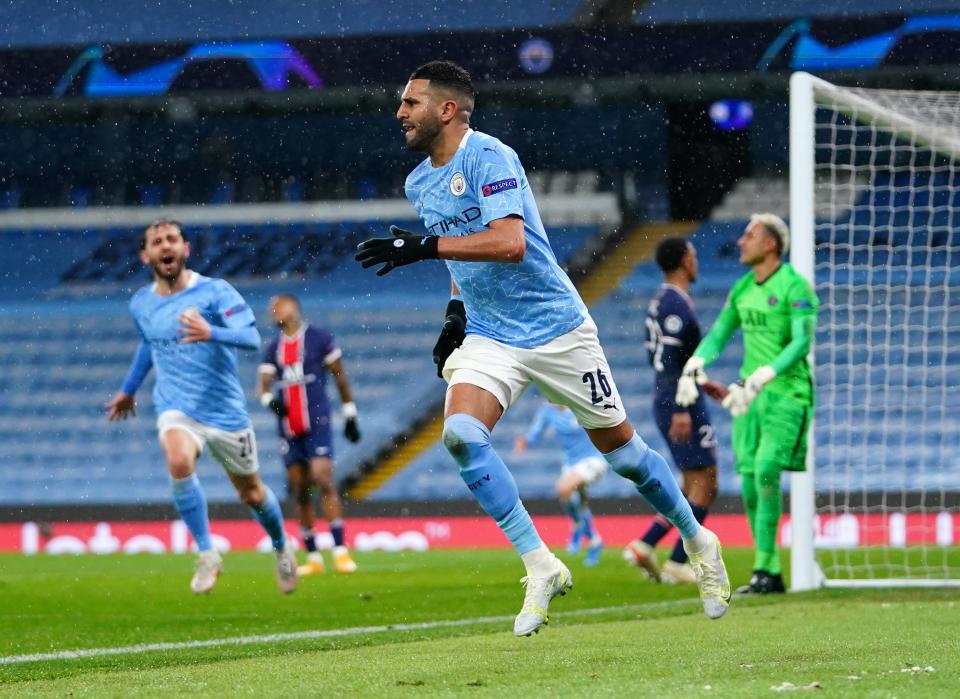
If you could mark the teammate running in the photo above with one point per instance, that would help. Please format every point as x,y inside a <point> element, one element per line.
<point>190,328</point>
<point>672,334</point>
<point>514,318</point>
<point>772,405</point>
<point>300,358</point>
<point>583,465</point>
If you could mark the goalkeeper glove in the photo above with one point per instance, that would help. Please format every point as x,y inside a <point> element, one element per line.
<point>350,429</point>
<point>402,249</point>
<point>736,400</point>
<point>757,380</point>
<point>692,376</point>
<point>743,393</point>
<point>452,334</point>
<point>268,400</point>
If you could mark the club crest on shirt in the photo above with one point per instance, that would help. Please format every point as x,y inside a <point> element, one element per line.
<point>772,301</point>
<point>458,184</point>
<point>673,324</point>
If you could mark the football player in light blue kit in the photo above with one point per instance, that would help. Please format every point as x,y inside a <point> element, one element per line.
<point>583,465</point>
<point>190,328</point>
<point>514,319</point>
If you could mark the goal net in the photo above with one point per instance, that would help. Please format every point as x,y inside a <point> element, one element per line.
<point>875,212</point>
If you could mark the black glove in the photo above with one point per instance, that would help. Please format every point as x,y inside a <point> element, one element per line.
<point>350,429</point>
<point>451,334</point>
<point>268,400</point>
<point>402,249</point>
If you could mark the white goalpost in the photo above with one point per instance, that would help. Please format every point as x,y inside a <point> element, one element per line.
<point>875,219</point>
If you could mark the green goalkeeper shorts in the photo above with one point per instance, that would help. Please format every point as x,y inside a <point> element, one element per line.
<point>773,431</point>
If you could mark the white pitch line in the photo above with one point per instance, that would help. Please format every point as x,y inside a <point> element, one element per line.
<point>307,635</point>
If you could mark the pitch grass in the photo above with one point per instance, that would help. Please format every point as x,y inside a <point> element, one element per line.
<point>850,643</point>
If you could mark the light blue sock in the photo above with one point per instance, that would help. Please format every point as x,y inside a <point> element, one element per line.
<point>270,517</point>
<point>586,517</point>
<point>572,508</point>
<point>645,467</point>
<point>191,505</point>
<point>468,441</point>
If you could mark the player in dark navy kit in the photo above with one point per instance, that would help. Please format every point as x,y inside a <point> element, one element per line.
<point>672,335</point>
<point>296,364</point>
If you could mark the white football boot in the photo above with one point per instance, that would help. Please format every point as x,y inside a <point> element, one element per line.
<point>286,569</point>
<point>678,573</point>
<point>209,566</point>
<point>711,575</point>
<point>641,554</point>
<point>536,601</point>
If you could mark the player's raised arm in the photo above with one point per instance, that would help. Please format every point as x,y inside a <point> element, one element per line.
<point>123,404</point>
<point>238,326</point>
<point>503,241</point>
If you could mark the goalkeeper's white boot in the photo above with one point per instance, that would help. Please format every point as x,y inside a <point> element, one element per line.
<point>641,554</point>
<point>209,566</point>
<point>707,564</point>
<point>536,601</point>
<point>286,569</point>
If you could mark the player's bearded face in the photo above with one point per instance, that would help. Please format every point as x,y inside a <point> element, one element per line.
<point>417,116</point>
<point>166,252</point>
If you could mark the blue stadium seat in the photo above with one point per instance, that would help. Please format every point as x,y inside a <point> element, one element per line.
<point>66,340</point>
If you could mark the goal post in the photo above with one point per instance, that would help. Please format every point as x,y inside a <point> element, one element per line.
<point>875,227</point>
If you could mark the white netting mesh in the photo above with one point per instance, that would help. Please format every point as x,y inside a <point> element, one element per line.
<point>887,443</point>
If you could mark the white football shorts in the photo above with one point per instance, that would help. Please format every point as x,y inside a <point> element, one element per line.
<point>590,470</point>
<point>569,370</point>
<point>235,451</point>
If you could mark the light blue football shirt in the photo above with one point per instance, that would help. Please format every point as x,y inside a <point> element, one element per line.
<point>522,305</point>
<point>569,434</point>
<point>199,379</point>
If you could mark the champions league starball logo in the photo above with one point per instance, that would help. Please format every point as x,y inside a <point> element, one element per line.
<point>536,56</point>
<point>458,184</point>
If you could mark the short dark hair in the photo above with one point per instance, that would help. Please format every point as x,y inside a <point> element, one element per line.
<point>670,253</point>
<point>288,297</point>
<point>162,222</point>
<point>449,76</point>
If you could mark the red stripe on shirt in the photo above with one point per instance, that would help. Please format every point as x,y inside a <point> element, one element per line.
<point>297,420</point>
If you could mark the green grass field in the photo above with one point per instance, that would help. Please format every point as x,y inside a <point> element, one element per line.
<point>439,623</point>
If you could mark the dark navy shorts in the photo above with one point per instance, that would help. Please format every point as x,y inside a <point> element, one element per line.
<point>701,450</point>
<point>315,443</point>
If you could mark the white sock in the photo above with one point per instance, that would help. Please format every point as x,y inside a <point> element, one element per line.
<point>699,541</point>
<point>540,562</point>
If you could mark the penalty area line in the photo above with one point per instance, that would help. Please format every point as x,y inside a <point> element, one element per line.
<point>325,633</point>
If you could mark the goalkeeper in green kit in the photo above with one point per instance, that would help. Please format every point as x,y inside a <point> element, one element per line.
<point>772,405</point>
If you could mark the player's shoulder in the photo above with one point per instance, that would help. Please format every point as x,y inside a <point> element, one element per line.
<point>743,283</point>
<point>317,333</point>
<point>141,297</point>
<point>484,147</point>
<point>795,283</point>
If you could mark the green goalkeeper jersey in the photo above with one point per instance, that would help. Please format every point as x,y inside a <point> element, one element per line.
<point>778,318</point>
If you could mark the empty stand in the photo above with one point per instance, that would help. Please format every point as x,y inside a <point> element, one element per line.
<point>65,346</point>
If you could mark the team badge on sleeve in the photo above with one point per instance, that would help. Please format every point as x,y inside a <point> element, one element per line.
<point>458,184</point>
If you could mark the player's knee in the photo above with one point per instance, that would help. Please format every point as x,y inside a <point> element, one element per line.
<point>768,479</point>
<point>465,437</point>
<point>180,464</point>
